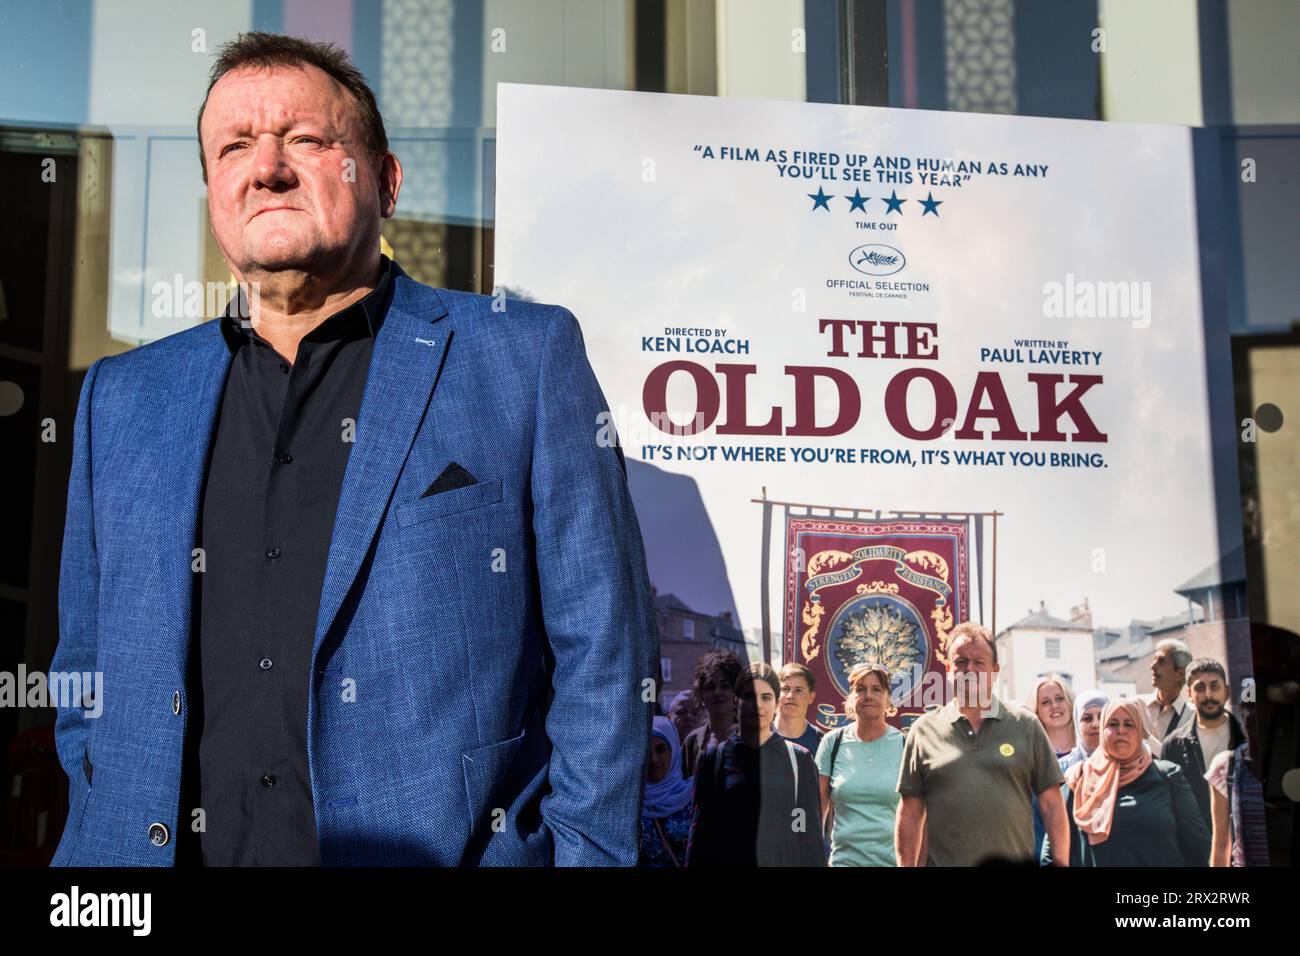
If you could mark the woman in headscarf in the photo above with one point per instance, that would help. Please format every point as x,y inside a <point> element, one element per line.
<point>1087,723</point>
<point>1128,808</point>
<point>666,810</point>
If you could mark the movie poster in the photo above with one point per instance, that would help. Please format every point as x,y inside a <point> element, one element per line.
<point>877,372</point>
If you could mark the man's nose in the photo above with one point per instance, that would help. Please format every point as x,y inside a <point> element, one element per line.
<point>270,163</point>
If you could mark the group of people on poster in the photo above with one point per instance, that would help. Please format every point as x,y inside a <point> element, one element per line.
<point>738,775</point>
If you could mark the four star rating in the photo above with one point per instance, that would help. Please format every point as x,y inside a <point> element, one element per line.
<point>893,203</point>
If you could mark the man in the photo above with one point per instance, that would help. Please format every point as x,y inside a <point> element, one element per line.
<point>969,768</point>
<point>1214,730</point>
<point>431,648</point>
<point>686,713</point>
<point>756,800</point>
<point>798,692</point>
<point>1165,708</point>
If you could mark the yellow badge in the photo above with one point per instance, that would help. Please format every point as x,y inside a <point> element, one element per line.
<point>1006,750</point>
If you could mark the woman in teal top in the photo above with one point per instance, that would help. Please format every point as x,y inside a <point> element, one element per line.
<point>858,767</point>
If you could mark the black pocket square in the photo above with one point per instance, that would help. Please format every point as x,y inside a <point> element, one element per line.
<point>453,476</point>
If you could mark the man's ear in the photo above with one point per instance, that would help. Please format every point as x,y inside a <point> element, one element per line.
<point>390,184</point>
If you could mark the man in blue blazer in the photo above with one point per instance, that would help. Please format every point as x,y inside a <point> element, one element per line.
<point>364,584</point>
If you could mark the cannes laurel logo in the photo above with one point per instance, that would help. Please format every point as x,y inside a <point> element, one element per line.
<point>75,908</point>
<point>875,259</point>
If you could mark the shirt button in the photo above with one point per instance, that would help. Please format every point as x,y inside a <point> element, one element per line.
<point>176,703</point>
<point>272,552</point>
<point>158,834</point>
<point>284,459</point>
<point>265,663</point>
<point>284,367</point>
<point>268,780</point>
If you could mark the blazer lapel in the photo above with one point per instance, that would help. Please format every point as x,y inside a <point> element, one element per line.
<point>407,356</point>
<point>186,436</point>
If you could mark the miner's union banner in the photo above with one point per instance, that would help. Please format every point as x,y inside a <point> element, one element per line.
<point>873,592</point>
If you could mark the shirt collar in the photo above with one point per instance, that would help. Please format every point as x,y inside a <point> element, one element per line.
<point>361,319</point>
<point>953,712</point>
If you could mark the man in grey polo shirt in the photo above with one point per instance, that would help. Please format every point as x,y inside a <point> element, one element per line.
<point>968,770</point>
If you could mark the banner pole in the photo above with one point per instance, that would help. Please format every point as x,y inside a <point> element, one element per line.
<point>764,589</point>
<point>995,575</point>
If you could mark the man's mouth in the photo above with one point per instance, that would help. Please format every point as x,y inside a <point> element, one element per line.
<point>273,209</point>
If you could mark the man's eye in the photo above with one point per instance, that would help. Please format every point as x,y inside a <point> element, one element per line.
<point>230,147</point>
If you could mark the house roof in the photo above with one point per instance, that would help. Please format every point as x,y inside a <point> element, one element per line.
<point>671,602</point>
<point>1107,674</point>
<point>1044,621</point>
<point>727,630</point>
<point>1229,569</point>
<point>720,627</point>
<point>1170,622</point>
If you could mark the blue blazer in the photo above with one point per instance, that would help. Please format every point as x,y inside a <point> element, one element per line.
<point>500,717</point>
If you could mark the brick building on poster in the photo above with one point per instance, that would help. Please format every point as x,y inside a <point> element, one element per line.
<point>686,635</point>
<point>1215,625</point>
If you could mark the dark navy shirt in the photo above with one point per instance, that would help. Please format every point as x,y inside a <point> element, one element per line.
<point>278,456</point>
<point>810,739</point>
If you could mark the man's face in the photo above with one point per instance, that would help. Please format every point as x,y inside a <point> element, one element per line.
<point>795,697</point>
<point>757,705</point>
<point>291,185</point>
<point>1164,674</point>
<point>971,670</point>
<point>1210,695</point>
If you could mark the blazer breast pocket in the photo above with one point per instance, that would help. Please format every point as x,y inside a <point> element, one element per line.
<point>448,502</point>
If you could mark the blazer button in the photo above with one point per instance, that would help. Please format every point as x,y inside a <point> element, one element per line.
<point>176,703</point>
<point>158,834</point>
<point>268,781</point>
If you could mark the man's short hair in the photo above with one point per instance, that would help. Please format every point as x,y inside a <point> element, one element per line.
<point>725,663</point>
<point>758,671</point>
<point>799,670</point>
<point>268,50</point>
<point>972,629</point>
<point>1181,654</point>
<point>1204,665</point>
